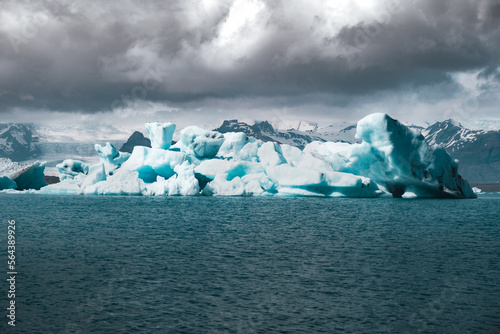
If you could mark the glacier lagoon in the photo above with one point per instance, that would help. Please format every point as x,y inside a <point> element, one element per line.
<point>254,264</point>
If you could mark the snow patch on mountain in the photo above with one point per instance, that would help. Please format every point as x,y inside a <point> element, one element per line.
<point>477,150</point>
<point>266,132</point>
<point>17,142</point>
<point>451,134</point>
<point>305,126</point>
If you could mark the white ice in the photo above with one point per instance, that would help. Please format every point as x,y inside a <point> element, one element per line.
<point>200,142</point>
<point>69,169</point>
<point>160,134</point>
<point>123,182</point>
<point>111,157</point>
<point>151,162</point>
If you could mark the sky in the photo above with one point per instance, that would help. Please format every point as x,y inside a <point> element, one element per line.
<point>121,63</point>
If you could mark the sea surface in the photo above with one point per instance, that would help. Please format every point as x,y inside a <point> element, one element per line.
<point>252,265</point>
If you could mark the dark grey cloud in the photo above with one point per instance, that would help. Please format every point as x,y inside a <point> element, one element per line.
<point>94,56</point>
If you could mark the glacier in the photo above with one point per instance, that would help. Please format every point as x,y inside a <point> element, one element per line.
<point>390,159</point>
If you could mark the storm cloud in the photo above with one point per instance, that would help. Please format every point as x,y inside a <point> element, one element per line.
<point>97,56</point>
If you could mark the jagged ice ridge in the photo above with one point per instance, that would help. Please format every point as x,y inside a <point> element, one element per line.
<point>391,159</point>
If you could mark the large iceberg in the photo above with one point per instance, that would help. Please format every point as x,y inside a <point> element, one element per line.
<point>391,160</point>
<point>397,158</point>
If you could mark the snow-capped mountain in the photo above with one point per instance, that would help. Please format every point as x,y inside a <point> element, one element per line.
<point>478,151</point>
<point>17,142</point>
<point>341,131</point>
<point>305,126</point>
<point>451,134</point>
<point>299,137</point>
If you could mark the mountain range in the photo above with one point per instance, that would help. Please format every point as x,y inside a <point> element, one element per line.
<point>477,150</point>
<point>300,136</point>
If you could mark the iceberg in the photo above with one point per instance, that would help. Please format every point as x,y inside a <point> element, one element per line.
<point>18,176</point>
<point>390,160</point>
<point>477,190</point>
<point>210,168</point>
<point>269,154</point>
<point>183,183</point>
<point>250,150</point>
<point>65,187</point>
<point>6,183</point>
<point>222,187</point>
<point>160,134</point>
<point>69,169</point>
<point>292,154</point>
<point>96,173</point>
<point>232,145</point>
<point>397,158</point>
<point>111,157</point>
<point>406,163</point>
<point>200,142</point>
<point>123,182</point>
<point>153,162</point>
<point>298,180</point>
<point>75,175</point>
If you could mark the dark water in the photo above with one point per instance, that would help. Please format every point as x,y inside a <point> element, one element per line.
<point>252,265</point>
